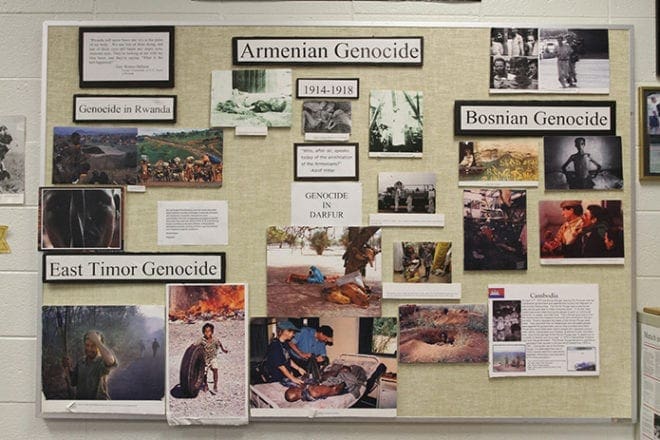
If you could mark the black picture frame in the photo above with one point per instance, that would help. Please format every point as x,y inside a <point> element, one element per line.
<point>79,96</point>
<point>356,153</point>
<point>356,95</point>
<point>645,136</point>
<point>167,82</point>
<point>458,131</point>
<point>237,62</point>
<point>222,255</point>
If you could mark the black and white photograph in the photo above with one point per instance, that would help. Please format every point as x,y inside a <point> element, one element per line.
<point>101,357</point>
<point>95,155</point>
<point>329,365</point>
<point>251,98</point>
<point>81,218</point>
<point>406,193</point>
<point>583,162</point>
<point>395,123</point>
<point>326,118</point>
<point>12,159</point>
<point>495,229</point>
<point>574,61</point>
<point>514,59</point>
<point>506,321</point>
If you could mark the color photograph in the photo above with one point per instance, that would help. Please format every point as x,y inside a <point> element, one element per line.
<point>422,262</point>
<point>338,365</point>
<point>498,163</point>
<point>206,354</point>
<point>103,353</point>
<point>12,159</point>
<point>180,157</point>
<point>395,123</point>
<point>495,229</point>
<point>589,162</point>
<point>509,358</point>
<point>443,333</point>
<point>324,271</point>
<point>81,218</point>
<point>251,98</point>
<point>103,155</point>
<point>581,231</point>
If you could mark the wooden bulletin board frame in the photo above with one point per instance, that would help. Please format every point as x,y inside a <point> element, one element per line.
<point>456,67</point>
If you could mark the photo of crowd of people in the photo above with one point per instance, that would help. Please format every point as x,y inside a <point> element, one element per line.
<point>581,231</point>
<point>180,157</point>
<point>506,321</point>
<point>495,229</point>
<point>514,58</point>
<point>589,162</point>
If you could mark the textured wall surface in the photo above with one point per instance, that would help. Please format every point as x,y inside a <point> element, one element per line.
<point>20,72</point>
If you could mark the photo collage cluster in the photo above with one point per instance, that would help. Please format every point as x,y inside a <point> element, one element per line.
<point>324,348</point>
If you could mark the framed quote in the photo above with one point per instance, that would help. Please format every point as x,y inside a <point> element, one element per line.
<point>649,132</point>
<point>126,56</point>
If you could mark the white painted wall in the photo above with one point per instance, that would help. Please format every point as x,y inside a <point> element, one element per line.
<point>20,70</point>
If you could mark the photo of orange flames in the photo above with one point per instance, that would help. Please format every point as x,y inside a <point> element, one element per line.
<point>209,301</point>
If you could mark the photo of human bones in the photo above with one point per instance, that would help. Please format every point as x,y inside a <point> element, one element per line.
<point>206,337</point>
<point>326,117</point>
<point>406,193</point>
<point>512,161</point>
<point>581,231</point>
<point>395,123</point>
<point>322,363</point>
<point>180,157</point>
<point>514,59</point>
<point>506,321</point>
<point>422,262</point>
<point>324,270</point>
<point>443,333</point>
<point>81,218</point>
<point>103,353</point>
<point>102,155</point>
<point>574,60</point>
<point>495,229</point>
<point>12,159</point>
<point>585,162</point>
<point>559,60</point>
<point>251,98</point>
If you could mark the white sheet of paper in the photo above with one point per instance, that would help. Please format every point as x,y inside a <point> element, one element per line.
<point>193,223</point>
<point>649,412</point>
<point>554,332</point>
<point>326,204</point>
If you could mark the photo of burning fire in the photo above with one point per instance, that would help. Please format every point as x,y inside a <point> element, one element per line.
<point>207,377</point>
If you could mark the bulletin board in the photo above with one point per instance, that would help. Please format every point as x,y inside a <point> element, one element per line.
<point>258,172</point>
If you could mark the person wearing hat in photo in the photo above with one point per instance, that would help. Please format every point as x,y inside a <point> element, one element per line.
<point>279,365</point>
<point>308,348</point>
<point>566,241</point>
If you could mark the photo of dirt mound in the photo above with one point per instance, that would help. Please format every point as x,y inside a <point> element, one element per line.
<point>451,333</point>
